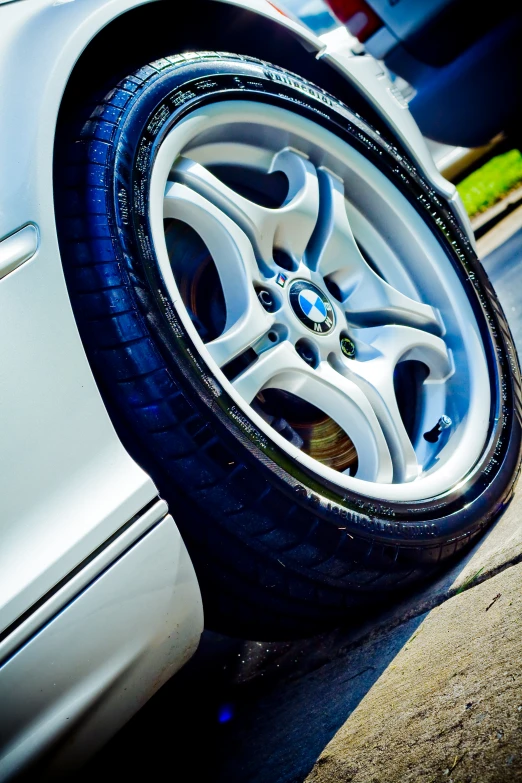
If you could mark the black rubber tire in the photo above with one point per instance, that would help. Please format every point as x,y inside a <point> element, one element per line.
<point>278,552</point>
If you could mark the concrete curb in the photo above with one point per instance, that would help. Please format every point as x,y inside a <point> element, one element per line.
<point>449,706</point>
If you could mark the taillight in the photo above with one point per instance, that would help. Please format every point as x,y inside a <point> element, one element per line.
<point>359,18</point>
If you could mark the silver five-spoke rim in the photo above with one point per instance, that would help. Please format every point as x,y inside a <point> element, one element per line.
<point>326,297</point>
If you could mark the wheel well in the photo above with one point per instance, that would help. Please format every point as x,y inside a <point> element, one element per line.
<point>154,30</point>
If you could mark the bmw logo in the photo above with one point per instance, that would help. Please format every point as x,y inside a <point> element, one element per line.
<point>311,306</point>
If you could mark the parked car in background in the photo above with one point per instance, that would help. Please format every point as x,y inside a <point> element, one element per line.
<point>250,361</point>
<point>464,61</point>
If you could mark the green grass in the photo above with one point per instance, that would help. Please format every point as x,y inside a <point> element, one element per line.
<point>491,182</point>
<point>469,581</point>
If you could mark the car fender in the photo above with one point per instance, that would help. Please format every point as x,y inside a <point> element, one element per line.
<point>33,87</point>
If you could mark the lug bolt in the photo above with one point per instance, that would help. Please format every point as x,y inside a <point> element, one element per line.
<point>443,424</point>
<point>348,347</point>
<point>306,354</point>
<point>266,299</point>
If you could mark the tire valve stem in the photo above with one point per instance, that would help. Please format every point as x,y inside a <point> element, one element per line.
<point>443,424</point>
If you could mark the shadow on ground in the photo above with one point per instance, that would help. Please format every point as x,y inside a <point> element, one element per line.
<point>269,727</point>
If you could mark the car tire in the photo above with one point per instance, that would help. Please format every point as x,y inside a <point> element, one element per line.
<point>206,187</point>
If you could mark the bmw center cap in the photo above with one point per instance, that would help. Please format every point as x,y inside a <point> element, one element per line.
<point>311,306</point>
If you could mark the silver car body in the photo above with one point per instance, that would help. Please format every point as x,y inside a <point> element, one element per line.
<point>99,603</point>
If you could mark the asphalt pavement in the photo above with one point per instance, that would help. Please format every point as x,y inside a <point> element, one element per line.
<point>504,267</point>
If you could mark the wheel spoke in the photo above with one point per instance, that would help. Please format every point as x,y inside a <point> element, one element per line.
<point>248,330</point>
<point>269,364</point>
<point>288,228</point>
<point>380,348</point>
<point>336,395</point>
<point>246,319</point>
<point>367,299</point>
